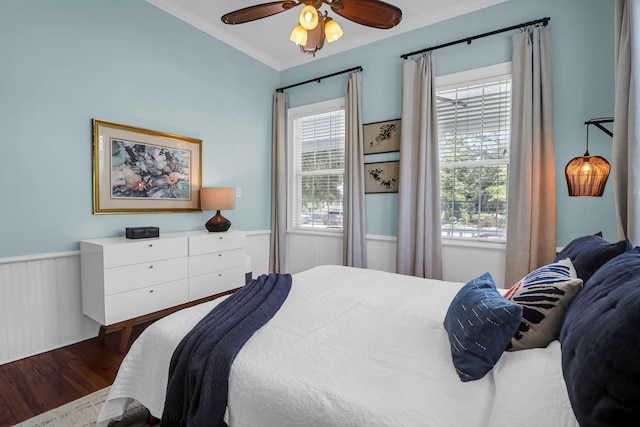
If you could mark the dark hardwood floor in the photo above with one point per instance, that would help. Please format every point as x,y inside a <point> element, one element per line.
<point>36,384</point>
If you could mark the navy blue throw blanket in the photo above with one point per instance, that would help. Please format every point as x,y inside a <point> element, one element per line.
<point>197,390</point>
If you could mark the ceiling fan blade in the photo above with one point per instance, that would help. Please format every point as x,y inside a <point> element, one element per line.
<point>259,11</point>
<point>372,13</point>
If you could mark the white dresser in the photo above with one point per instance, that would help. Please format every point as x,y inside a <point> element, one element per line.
<point>216,263</point>
<point>126,281</point>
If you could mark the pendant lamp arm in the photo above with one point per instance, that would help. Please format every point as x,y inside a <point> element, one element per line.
<point>598,123</point>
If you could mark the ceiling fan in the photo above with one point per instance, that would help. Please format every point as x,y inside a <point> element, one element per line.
<point>314,27</point>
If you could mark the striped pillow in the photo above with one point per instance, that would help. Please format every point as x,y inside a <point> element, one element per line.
<point>545,295</point>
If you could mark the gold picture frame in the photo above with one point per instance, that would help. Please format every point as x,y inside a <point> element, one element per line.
<point>381,177</point>
<point>382,137</point>
<point>137,170</point>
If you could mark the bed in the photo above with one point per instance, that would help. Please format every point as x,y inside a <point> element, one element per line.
<point>355,347</point>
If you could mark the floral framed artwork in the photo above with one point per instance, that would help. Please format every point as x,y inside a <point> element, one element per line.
<point>381,177</point>
<point>138,170</point>
<point>382,137</point>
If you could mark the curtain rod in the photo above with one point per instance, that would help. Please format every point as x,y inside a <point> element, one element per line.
<point>468,40</point>
<point>317,79</point>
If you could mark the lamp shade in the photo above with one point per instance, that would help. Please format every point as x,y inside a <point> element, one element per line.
<point>332,30</point>
<point>308,17</point>
<point>218,198</point>
<point>298,35</point>
<point>587,175</point>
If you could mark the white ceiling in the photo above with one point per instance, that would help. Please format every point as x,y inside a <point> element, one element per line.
<point>267,40</point>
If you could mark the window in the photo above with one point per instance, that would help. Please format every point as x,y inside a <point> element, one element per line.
<point>474,121</point>
<point>316,160</point>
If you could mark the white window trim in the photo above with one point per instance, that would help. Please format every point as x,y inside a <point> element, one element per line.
<point>293,114</point>
<point>478,76</point>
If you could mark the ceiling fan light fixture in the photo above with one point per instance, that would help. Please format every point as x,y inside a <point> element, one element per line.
<point>299,35</point>
<point>308,17</point>
<point>315,27</point>
<point>332,30</point>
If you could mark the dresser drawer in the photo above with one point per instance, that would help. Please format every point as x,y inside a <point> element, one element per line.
<point>215,242</point>
<point>130,277</point>
<point>144,250</point>
<point>209,263</point>
<point>127,305</point>
<point>210,284</point>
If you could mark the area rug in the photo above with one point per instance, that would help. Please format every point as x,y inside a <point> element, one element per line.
<point>84,412</point>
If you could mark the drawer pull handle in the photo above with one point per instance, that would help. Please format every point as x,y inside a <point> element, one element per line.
<point>219,255</point>
<point>219,274</point>
<point>150,245</point>
<point>151,266</point>
<point>151,291</point>
<point>220,237</point>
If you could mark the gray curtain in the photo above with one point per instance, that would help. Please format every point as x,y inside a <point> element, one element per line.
<point>419,248</point>
<point>354,241</point>
<point>626,129</point>
<point>531,214</point>
<point>278,242</point>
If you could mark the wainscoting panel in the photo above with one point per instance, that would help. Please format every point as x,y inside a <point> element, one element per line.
<point>381,253</point>
<point>40,295</point>
<point>40,305</point>
<point>308,250</point>
<point>258,252</point>
<point>463,260</point>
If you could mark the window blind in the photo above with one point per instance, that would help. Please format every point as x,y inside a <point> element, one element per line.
<point>318,168</point>
<point>474,123</point>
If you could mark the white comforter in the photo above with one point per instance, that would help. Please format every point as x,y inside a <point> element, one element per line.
<point>354,347</point>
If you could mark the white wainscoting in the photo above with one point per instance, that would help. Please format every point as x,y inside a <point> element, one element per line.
<point>462,260</point>
<point>40,305</point>
<point>40,295</point>
<point>258,252</point>
<point>307,249</point>
<point>381,253</point>
<point>41,300</point>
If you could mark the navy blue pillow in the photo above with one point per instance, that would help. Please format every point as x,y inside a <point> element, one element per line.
<point>480,323</point>
<point>589,253</point>
<point>601,346</point>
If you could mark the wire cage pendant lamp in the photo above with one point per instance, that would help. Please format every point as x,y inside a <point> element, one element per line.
<point>587,175</point>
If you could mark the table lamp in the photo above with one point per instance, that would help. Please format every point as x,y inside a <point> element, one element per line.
<point>218,199</point>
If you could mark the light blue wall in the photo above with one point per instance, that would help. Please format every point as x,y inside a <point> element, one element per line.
<point>65,62</point>
<point>583,68</point>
